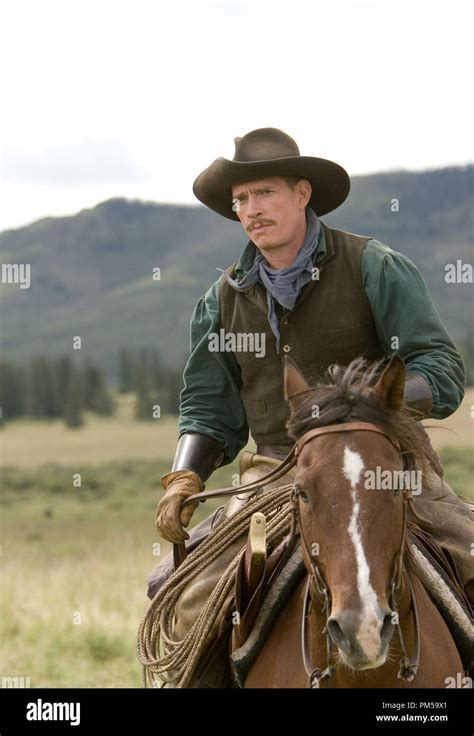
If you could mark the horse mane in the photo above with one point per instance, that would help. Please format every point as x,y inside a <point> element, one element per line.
<point>345,395</point>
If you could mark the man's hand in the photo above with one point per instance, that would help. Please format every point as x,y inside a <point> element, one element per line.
<point>178,486</point>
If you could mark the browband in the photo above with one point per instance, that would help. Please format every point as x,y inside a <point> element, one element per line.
<point>343,427</point>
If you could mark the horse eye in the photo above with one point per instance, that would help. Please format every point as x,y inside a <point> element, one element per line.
<point>301,493</point>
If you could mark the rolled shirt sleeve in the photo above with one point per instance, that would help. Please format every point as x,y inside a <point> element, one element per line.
<point>403,309</point>
<point>210,401</point>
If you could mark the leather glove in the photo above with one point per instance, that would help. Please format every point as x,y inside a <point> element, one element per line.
<point>417,395</point>
<point>178,485</point>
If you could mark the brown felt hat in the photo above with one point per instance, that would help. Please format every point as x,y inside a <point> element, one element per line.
<point>270,152</point>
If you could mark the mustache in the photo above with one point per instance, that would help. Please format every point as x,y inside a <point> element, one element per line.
<point>259,222</point>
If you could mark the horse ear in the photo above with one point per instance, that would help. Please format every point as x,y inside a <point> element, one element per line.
<point>293,379</point>
<point>390,387</point>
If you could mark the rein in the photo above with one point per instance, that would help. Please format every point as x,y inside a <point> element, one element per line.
<point>288,462</point>
<point>408,665</point>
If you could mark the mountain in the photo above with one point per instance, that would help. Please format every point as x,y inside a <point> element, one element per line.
<point>92,273</point>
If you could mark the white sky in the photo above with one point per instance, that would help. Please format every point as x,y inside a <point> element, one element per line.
<point>134,98</point>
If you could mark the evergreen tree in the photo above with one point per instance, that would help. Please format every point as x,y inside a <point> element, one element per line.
<point>170,392</point>
<point>63,368</point>
<point>157,371</point>
<point>126,363</point>
<point>96,397</point>
<point>12,390</point>
<point>144,400</point>
<point>42,401</point>
<point>73,406</point>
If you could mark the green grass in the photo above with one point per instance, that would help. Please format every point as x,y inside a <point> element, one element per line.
<point>74,567</point>
<point>458,463</point>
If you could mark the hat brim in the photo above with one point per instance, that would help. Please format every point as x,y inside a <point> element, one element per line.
<point>330,183</point>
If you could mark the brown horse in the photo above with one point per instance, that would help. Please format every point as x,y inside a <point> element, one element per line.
<point>369,622</point>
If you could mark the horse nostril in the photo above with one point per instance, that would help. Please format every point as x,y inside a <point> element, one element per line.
<point>336,633</point>
<point>386,631</point>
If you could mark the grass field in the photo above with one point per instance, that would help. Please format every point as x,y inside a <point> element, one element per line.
<point>74,560</point>
<point>69,551</point>
<point>28,443</point>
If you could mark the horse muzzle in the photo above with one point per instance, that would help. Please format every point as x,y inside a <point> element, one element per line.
<point>362,644</point>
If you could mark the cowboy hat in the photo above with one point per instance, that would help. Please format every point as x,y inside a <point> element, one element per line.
<point>270,152</point>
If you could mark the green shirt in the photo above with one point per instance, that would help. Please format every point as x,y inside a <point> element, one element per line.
<point>402,307</point>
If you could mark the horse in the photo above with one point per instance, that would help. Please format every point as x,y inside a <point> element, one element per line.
<point>360,618</point>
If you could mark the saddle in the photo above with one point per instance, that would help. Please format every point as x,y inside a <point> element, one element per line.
<point>436,568</point>
<point>264,589</point>
<point>253,586</point>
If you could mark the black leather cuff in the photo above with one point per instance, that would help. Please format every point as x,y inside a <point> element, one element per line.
<point>418,396</point>
<point>199,453</point>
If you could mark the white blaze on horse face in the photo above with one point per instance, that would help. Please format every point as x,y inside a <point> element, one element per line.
<point>368,634</point>
<point>353,467</point>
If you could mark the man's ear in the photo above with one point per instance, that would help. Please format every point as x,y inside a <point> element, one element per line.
<point>293,380</point>
<point>305,191</point>
<point>390,387</point>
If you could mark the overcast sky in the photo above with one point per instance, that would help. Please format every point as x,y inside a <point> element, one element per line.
<point>134,98</point>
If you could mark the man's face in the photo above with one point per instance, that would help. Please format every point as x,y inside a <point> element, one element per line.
<point>270,210</point>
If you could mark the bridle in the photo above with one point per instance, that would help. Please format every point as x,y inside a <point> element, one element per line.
<point>408,666</point>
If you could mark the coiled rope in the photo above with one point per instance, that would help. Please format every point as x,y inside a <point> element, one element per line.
<point>168,661</point>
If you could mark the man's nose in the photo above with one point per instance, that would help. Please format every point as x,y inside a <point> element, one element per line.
<point>254,209</point>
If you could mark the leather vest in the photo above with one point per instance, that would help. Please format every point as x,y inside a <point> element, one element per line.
<point>331,322</point>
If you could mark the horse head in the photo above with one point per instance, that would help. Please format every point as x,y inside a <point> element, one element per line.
<point>352,525</point>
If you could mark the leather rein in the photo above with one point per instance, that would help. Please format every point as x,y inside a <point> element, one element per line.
<point>408,665</point>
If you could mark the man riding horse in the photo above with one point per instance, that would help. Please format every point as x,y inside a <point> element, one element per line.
<point>319,295</point>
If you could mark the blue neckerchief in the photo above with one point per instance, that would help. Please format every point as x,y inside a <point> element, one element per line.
<point>283,284</point>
